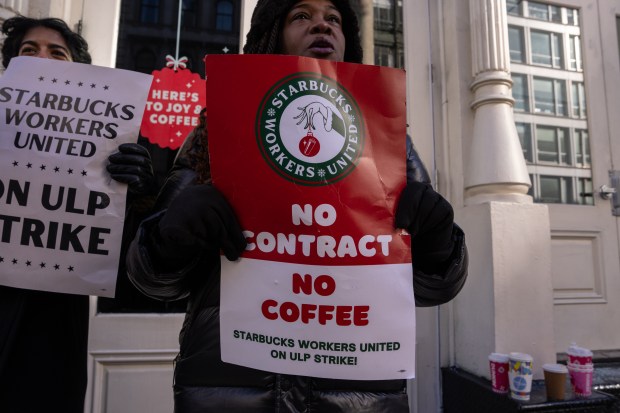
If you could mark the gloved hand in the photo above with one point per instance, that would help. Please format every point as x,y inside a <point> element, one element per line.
<point>132,165</point>
<point>199,219</point>
<point>429,218</point>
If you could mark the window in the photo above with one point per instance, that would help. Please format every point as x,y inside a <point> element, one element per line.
<point>574,53</point>
<point>383,14</point>
<point>384,56</point>
<point>578,98</point>
<point>145,61</point>
<point>552,145</point>
<point>520,93</point>
<point>401,57</point>
<point>517,45</point>
<point>556,15</point>
<point>585,191</point>
<point>572,17</point>
<point>149,11</point>
<point>524,130</point>
<point>538,11</point>
<point>550,96</point>
<point>189,13</point>
<point>513,7</point>
<point>545,12</point>
<point>556,190</point>
<point>541,11</point>
<point>582,148</point>
<point>388,33</point>
<point>224,16</point>
<point>546,49</point>
<point>618,29</point>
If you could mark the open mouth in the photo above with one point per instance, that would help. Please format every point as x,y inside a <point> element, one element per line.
<point>321,46</point>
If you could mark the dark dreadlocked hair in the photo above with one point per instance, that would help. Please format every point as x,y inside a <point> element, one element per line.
<point>268,18</point>
<point>198,151</point>
<point>16,28</point>
<point>264,38</point>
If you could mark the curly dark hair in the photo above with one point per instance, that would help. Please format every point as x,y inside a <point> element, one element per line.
<point>198,152</point>
<point>16,28</point>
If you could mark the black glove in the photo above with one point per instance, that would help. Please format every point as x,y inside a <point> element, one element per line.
<point>132,165</point>
<point>199,219</point>
<point>429,218</point>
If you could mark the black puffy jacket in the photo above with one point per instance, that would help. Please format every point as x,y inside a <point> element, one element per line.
<point>203,383</point>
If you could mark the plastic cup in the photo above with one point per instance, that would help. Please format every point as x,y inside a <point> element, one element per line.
<point>581,379</point>
<point>555,380</point>
<point>498,365</point>
<point>579,355</point>
<point>520,375</point>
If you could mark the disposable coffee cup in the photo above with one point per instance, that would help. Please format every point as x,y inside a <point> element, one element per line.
<point>520,375</point>
<point>579,355</point>
<point>555,380</point>
<point>581,379</point>
<point>498,365</point>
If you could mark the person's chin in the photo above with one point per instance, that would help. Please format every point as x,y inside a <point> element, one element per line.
<point>325,56</point>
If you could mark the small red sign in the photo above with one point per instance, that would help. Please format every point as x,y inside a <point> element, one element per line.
<point>174,103</point>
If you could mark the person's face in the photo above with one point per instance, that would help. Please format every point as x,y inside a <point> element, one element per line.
<point>313,28</point>
<point>46,43</point>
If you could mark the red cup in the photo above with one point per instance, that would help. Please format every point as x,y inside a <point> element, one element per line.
<point>498,365</point>
<point>581,379</point>
<point>579,355</point>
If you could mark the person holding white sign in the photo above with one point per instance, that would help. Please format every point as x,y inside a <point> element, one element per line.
<point>44,335</point>
<point>176,252</point>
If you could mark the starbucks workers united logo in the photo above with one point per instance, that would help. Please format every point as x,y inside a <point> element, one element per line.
<point>310,130</point>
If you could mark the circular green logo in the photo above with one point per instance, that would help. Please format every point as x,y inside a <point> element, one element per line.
<point>310,130</point>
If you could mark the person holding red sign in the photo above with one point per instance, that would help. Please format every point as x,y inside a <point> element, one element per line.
<point>44,335</point>
<point>176,252</point>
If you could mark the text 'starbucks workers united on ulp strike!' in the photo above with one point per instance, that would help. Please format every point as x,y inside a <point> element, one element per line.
<point>312,158</point>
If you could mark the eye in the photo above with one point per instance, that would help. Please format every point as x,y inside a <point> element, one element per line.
<point>334,19</point>
<point>60,55</point>
<point>300,16</point>
<point>27,51</point>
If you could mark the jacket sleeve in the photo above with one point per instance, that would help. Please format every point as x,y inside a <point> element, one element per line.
<point>180,175</point>
<point>151,278</point>
<point>416,171</point>
<point>436,289</point>
<point>148,275</point>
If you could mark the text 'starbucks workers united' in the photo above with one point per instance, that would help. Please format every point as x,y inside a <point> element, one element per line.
<point>310,130</point>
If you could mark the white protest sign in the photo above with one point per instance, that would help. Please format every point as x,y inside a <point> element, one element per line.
<point>61,215</point>
<point>335,322</point>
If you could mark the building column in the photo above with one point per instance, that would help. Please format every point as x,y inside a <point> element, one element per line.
<point>497,168</point>
<point>507,302</point>
<point>367,29</point>
<point>247,8</point>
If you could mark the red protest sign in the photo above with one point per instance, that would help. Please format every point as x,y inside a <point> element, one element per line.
<point>312,132</point>
<point>173,106</point>
<point>312,156</point>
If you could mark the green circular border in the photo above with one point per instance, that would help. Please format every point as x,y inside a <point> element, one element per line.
<point>276,166</point>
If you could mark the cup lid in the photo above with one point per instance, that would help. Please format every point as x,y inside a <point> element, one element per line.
<point>499,357</point>
<point>520,357</point>
<point>555,368</point>
<point>575,350</point>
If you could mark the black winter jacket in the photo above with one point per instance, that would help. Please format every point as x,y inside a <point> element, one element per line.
<point>204,384</point>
